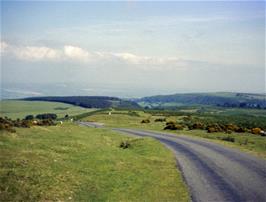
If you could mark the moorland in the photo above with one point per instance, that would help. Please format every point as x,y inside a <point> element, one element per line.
<point>45,160</point>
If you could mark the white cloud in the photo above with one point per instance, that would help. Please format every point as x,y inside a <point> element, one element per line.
<point>4,47</point>
<point>34,53</point>
<point>81,55</point>
<point>147,62</point>
<point>76,53</point>
<point>129,58</point>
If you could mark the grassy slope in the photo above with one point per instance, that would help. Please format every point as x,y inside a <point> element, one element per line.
<point>251,143</point>
<point>124,120</point>
<point>19,109</point>
<point>73,163</point>
<point>194,98</point>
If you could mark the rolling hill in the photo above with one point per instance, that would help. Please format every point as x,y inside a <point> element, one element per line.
<point>242,100</point>
<point>89,101</point>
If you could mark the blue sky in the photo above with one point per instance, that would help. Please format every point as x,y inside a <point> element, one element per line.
<point>168,46</point>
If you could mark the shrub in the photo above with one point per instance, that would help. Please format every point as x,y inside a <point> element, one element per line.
<point>228,139</point>
<point>214,128</point>
<point>46,116</point>
<point>173,126</point>
<point>198,125</point>
<point>125,144</point>
<point>179,127</point>
<point>256,130</point>
<point>145,121</point>
<point>7,127</point>
<point>29,117</point>
<point>8,124</point>
<point>170,122</point>
<point>25,124</point>
<point>160,120</point>
<point>46,122</point>
<point>231,127</point>
<point>170,127</point>
<point>211,130</point>
<point>240,130</point>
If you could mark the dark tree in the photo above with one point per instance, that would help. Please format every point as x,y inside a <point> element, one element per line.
<point>46,116</point>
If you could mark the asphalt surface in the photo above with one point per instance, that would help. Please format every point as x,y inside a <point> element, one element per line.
<point>213,172</point>
<point>91,124</point>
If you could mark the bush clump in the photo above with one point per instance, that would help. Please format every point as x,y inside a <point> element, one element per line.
<point>214,128</point>
<point>7,127</point>
<point>145,121</point>
<point>29,117</point>
<point>192,125</point>
<point>231,127</point>
<point>256,131</point>
<point>170,122</point>
<point>46,122</point>
<point>8,124</point>
<point>173,126</point>
<point>160,120</point>
<point>198,125</point>
<point>46,116</point>
<point>240,130</point>
<point>125,144</point>
<point>211,130</point>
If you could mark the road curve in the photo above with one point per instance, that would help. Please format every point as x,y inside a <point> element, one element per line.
<point>90,124</point>
<point>212,172</point>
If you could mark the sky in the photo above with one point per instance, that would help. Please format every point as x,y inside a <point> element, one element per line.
<point>143,47</point>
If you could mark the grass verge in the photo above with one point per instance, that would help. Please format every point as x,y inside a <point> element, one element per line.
<point>73,163</point>
<point>251,143</point>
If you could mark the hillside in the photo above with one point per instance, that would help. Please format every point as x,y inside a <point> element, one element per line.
<point>242,100</point>
<point>89,101</point>
<point>72,163</point>
<point>20,109</point>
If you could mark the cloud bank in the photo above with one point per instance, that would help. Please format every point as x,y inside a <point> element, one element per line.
<point>32,53</point>
<point>80,55</point>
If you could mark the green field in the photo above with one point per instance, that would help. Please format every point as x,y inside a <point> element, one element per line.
<point>75,163</point>
<point>255,144</point>
<point>19,109</point>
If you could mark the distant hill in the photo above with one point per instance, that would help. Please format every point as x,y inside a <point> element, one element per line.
<point>89,101</point>
<point>242,100</point>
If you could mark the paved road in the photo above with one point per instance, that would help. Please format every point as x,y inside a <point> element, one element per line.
<point>91,124</point>
<point>213,172</point>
